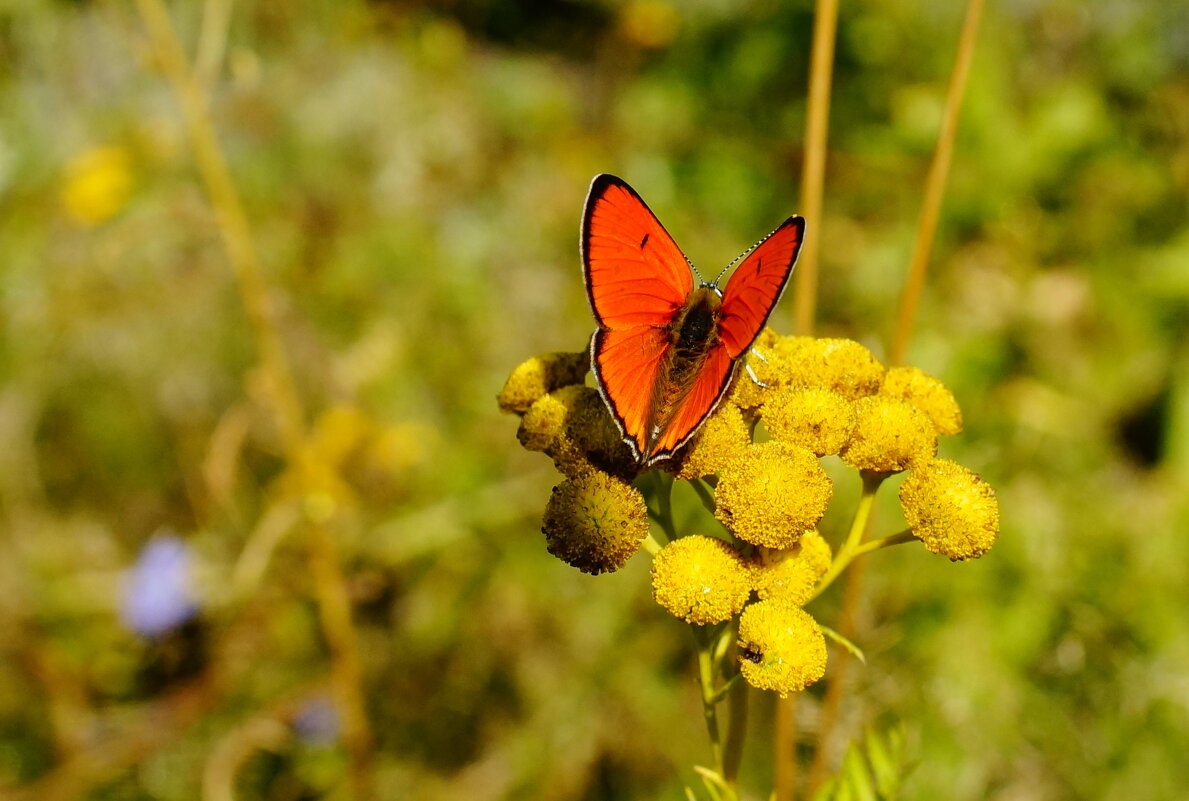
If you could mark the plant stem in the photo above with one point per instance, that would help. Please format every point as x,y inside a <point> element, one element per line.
<point>710,659</point>
<point>664,502</point>
<point>737,692</point>
<point>935,185</point>
<point>813,170</point>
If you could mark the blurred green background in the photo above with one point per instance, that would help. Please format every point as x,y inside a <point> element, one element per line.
<point>414,175</point>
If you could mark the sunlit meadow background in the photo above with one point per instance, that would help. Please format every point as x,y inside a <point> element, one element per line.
<point>413,174</point>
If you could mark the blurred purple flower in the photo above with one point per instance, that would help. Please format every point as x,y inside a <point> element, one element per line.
<point>158,595</point>
<point>317,722</point>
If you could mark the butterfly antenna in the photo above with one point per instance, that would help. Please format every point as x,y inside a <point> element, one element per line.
<point>738,259</point>
<point>698,274</point>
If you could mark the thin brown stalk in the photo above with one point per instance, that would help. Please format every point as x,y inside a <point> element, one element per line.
<point>935,185</point>
<point>813,167</point>
<point>926,231</point>
<point>329,587</point>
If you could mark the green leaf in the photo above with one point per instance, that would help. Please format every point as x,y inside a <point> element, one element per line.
<point>855,651</point>
<point>873,769</point>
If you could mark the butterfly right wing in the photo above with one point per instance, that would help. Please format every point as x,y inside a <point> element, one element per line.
<point>637,280</point>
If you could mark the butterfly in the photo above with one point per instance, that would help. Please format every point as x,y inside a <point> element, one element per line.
<point>666,351</point>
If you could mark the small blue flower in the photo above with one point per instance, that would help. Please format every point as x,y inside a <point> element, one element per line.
<point>158,595</point>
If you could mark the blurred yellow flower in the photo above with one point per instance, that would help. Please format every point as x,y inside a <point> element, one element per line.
<point>700,580</point>
<point>890,435</point>
<point>96,184</point>
<point>541,374</point>
<point>815,418</point>
<point>723,438</point>
<point>649,23</point>
<point>927,394</point>
<point>772,494</point>
<point>950,509</point>
<point>781,647</point>
<point>791,574</point>
<point>595,522</point>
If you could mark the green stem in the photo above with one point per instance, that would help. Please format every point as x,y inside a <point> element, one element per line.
<point>736,729</point>
<point>651,545</point>
<point>709,702</point>
<point>853,547</point>
<point>664,500</point>
<point>704,494</point>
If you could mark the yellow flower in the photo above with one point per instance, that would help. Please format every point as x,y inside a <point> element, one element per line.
<point>595,522</point>
<point>927,394</point>
<point>649,23</point>
<point>700,580</point>
<point>97,184</point>
<point>816,418</point>
<point>890,435</point>
<point>539,375</point>
<point>842,365</point>
<point>546,419</point>
<point>723,438</point>
<point>781,647</point>
<point>792,574</point>
<point>772,494</point>
<point>590,437</point>
<point>950,509</point>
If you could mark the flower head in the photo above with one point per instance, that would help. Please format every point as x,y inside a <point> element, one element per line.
<point>842,365</point>
<point>700,580</point>
<point>772,494</point>
<point>539,375</point>
<point>792,574</point>
<point>97,184</point>
<point>595,522</point>
<point>781,647</point>
<point>723,438</point>
<point>927,394</point>
<point>890,434</point>
<point>546,419</point>
<point>590,437</point>
<point>159,595</point>
<point>815,418</point>
<point>950,509</point>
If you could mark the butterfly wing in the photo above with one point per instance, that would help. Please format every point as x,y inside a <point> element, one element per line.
<point>637,280</point>
<point>757,284</point>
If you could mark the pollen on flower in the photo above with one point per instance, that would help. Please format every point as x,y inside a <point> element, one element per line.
<point>781,647</point>
<point>950,509</point>
<point>842,365</point>
<point>773,494</point>
<point>700,579</point>
<point>791,574</point>
<point>927,394</point>
<point>815,418</point>
<point>545,420</point>
<point>541,374</point>
<point>595,522</point>
<point>890,435</point>
<point>723,438</point>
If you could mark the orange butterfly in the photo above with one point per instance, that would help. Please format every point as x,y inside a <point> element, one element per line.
<point>665,351</point>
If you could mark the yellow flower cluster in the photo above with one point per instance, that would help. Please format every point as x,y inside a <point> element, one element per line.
<point>760,452</point>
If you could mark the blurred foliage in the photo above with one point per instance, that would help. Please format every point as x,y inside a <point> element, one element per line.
<point>414,175</point>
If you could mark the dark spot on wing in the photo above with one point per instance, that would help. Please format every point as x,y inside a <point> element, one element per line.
<point>759,265</point>
<point>643,241</point>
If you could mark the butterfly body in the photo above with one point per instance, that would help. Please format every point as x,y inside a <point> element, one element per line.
<point>666,351</point>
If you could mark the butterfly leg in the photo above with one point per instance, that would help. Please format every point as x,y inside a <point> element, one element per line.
<point>752,373</point>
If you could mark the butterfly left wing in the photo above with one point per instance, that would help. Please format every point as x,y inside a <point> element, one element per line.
<point>757,284</point>
<point>637,280</point>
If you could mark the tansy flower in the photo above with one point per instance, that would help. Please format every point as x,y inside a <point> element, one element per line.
<point>781,647</point>
<point>815,418</point>
<point>770,368</point>
<point>546,419</point>
<point>595,522</point>
<point>950,509</point>
<point>590,437</point>
<point>927,394</point>
<point>842,365</point>
<point>540,374</point>
<point>791,574</point>
<point>772,494</point>
<point>890,435</point>
<point>723,438</point>
<point>700,580</point>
